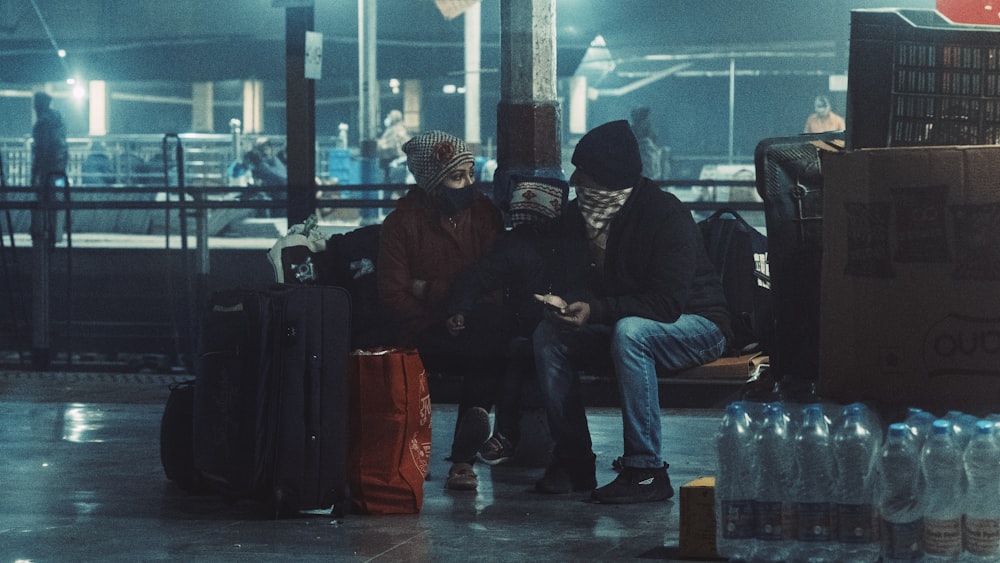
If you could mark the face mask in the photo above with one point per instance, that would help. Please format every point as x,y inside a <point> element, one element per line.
<point>386,122</point>
<point>453,201</point>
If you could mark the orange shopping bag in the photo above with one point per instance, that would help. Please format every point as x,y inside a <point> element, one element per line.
<point>390,431</point>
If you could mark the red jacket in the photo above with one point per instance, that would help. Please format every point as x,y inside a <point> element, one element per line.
<point>418,242</point>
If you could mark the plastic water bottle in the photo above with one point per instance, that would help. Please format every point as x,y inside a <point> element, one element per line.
<point>963,425</point>
<point>920,422</point>
<point>774,522</point>
<point>734,485</point>
<point>942,470</point>
<point>982,508</point>
<point>899,494</point>
<point>872,421</point>
<point>855,448</point>
<point>814,489</point>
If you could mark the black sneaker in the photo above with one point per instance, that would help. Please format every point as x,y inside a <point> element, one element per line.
<point>473,431</point>
<point>496,450</point>
<point>565,476</point>
<point>634,485</point>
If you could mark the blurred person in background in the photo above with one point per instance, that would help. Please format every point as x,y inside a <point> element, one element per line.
<point>391,157</point>
<point>823,118</point>
<point>49,157</point>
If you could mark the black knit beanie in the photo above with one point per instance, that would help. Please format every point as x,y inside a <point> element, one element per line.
<point>609,154</point>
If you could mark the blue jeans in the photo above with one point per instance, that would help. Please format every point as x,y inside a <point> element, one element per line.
<point>636,346</point>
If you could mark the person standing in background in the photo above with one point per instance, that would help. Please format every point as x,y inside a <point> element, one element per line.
<point>390,146</point>
<point>823,119</point>
<point>49,150</point>
<point>649,151</point>
<point>49,156</point>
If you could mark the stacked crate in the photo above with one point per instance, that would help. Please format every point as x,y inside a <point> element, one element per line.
<point>917,79</point>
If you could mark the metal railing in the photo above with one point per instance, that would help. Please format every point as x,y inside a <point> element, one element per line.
<point>137,160</point>
<point>108,309</point>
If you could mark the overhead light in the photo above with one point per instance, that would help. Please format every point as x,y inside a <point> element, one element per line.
<point>79,92</point>
<point>62,53</point>
<point>449,89</point>
<point>71,81</point>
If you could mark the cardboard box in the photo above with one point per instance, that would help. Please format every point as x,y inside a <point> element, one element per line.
<point>697,529</point>
<point>910,306</point>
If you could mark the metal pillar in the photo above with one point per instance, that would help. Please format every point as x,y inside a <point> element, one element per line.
<point>42,241</point>
<point>368,93</point>
<point>300,97</point>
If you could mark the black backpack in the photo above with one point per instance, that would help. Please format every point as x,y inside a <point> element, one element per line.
<point>349,262</point>
<point>739,253</point>
<point>177,439</point>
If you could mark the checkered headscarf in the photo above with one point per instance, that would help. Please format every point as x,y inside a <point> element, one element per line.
<point>433,155</point>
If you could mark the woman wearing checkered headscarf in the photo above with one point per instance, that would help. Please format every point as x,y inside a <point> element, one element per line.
<point>438,229</point>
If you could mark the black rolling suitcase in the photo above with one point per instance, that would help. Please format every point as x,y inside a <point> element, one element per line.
<point>790,181</point>
<point>271,399</point>
<point>231,370</point>
<point>307,395</point>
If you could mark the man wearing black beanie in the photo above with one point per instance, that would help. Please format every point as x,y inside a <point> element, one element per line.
<point>651,298</point>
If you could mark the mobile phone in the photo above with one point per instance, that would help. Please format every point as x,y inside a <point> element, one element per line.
<point>553,308</point>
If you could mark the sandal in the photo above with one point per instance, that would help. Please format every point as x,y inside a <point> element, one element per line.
<point>461,477</point>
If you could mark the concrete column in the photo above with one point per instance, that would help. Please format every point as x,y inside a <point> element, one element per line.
<point>528,117</point>
<point>473,57</point>
<point>578,105</point>
<point>202,112</point>
<point>253,106</point>
<point>97,108</point>
<point>412,98</point>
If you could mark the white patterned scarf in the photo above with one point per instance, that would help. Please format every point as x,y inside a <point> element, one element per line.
<point>598,207</point>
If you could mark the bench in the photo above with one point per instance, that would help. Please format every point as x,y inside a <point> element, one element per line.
<point>708,386</point>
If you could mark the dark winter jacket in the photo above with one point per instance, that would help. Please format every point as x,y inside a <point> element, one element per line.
<point>656,265</point>
<point>418,242</point>
<point>531,258</point>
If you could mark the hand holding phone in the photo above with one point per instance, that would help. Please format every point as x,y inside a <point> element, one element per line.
<point>553,302</point>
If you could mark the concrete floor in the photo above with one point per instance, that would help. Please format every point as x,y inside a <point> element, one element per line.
<point>81,480</point>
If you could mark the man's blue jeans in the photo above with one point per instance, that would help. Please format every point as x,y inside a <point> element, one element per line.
<point>637,346</point>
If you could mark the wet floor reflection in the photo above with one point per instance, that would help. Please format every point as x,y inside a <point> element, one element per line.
<point>82,480</point>
<point>82,423</point>
<point>98,423</point>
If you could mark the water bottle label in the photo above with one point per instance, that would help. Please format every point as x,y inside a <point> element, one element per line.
<point>814,523</point>
<point>901,540</point>
<point>855,524</point>
<point>737,519</point>
<point>943,538</point>
<point>769,521</point>
<point>982,536</point>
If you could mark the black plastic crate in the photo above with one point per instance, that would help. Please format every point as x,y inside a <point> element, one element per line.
<point>917,79</point>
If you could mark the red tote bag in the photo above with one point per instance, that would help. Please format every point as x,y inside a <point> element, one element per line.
<point>390,431</point>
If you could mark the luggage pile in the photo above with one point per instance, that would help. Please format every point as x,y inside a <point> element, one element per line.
<point>282,412</point>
